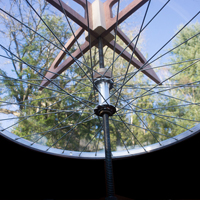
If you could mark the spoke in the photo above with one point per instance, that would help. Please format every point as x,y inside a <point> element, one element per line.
<point>168,86</point>
<point>45,77</point>
<point>90,47</point>
<point>10,103</point>
<point>76,97</point>
<point>46,132</point>
<point>115,34</point>
<point>167,96</point>
<point>55,36</point>
<point>64,127</point>
<point>21,102</point>
<point>120,135</point>
<point>179,86</point>
<point>35,113</point>
<point>134,49</point>
<point>145,64</point>
<point>141,120</point>
<point>163,118</point>
<point>72,30</point>
<point>29,83</point>
<point>98,141</point>
<point>175,47</point>
<point>67,52</point>
<point>144,111</point>
<point>73,129</point>
<point>32,84</point>
<point>68,132</point>
<point>72,132</point>
<point>86,101</point>
<point>131,132</point>
<point>91,140</point>
<point>142,128</point>
<point>42,79</point>
<point>77,123</point>
<point>147,127</point>
<point>176,63</point>
<point>68,141</point>
<point>174,97</point>
<point>137,34</point>
<point>196,104</point>
<point>49,113</point>
<point>31,115</point>
<point>157,108</point>
<point>159,117</point>
<point>158,84</point>
<point>71,79</point>
<point>170,64</point>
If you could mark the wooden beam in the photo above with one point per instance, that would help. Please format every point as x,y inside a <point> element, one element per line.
<point>72,14</point>
<point>123,15</point>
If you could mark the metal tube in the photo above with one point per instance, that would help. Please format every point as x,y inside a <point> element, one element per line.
<point>103,88</point>
<point>100,46</point>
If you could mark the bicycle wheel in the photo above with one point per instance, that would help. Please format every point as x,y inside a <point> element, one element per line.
<point>50,68</point>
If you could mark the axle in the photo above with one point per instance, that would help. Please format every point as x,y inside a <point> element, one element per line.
<point>103,81</point>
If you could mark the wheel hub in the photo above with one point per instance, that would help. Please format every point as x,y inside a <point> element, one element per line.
<point>103,81</point>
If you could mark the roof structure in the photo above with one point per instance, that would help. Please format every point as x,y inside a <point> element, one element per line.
<point>98,22</point>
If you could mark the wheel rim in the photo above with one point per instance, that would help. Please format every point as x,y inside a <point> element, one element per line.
<point>60,119</point>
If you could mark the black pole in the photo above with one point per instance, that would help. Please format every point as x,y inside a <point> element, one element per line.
<point>108,159</point>
<point>100,46</point>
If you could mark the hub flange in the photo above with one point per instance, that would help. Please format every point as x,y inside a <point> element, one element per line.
<point>100,110</point>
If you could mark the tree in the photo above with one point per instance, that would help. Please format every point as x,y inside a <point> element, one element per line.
<point>30,48</point>
<point>187,55</point>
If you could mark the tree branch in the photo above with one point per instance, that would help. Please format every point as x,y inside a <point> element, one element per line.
<point>6,111</point>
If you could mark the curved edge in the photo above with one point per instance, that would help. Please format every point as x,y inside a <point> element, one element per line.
<point>100,155</point>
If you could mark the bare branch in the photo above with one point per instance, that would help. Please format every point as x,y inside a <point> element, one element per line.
<point>6,111</point>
